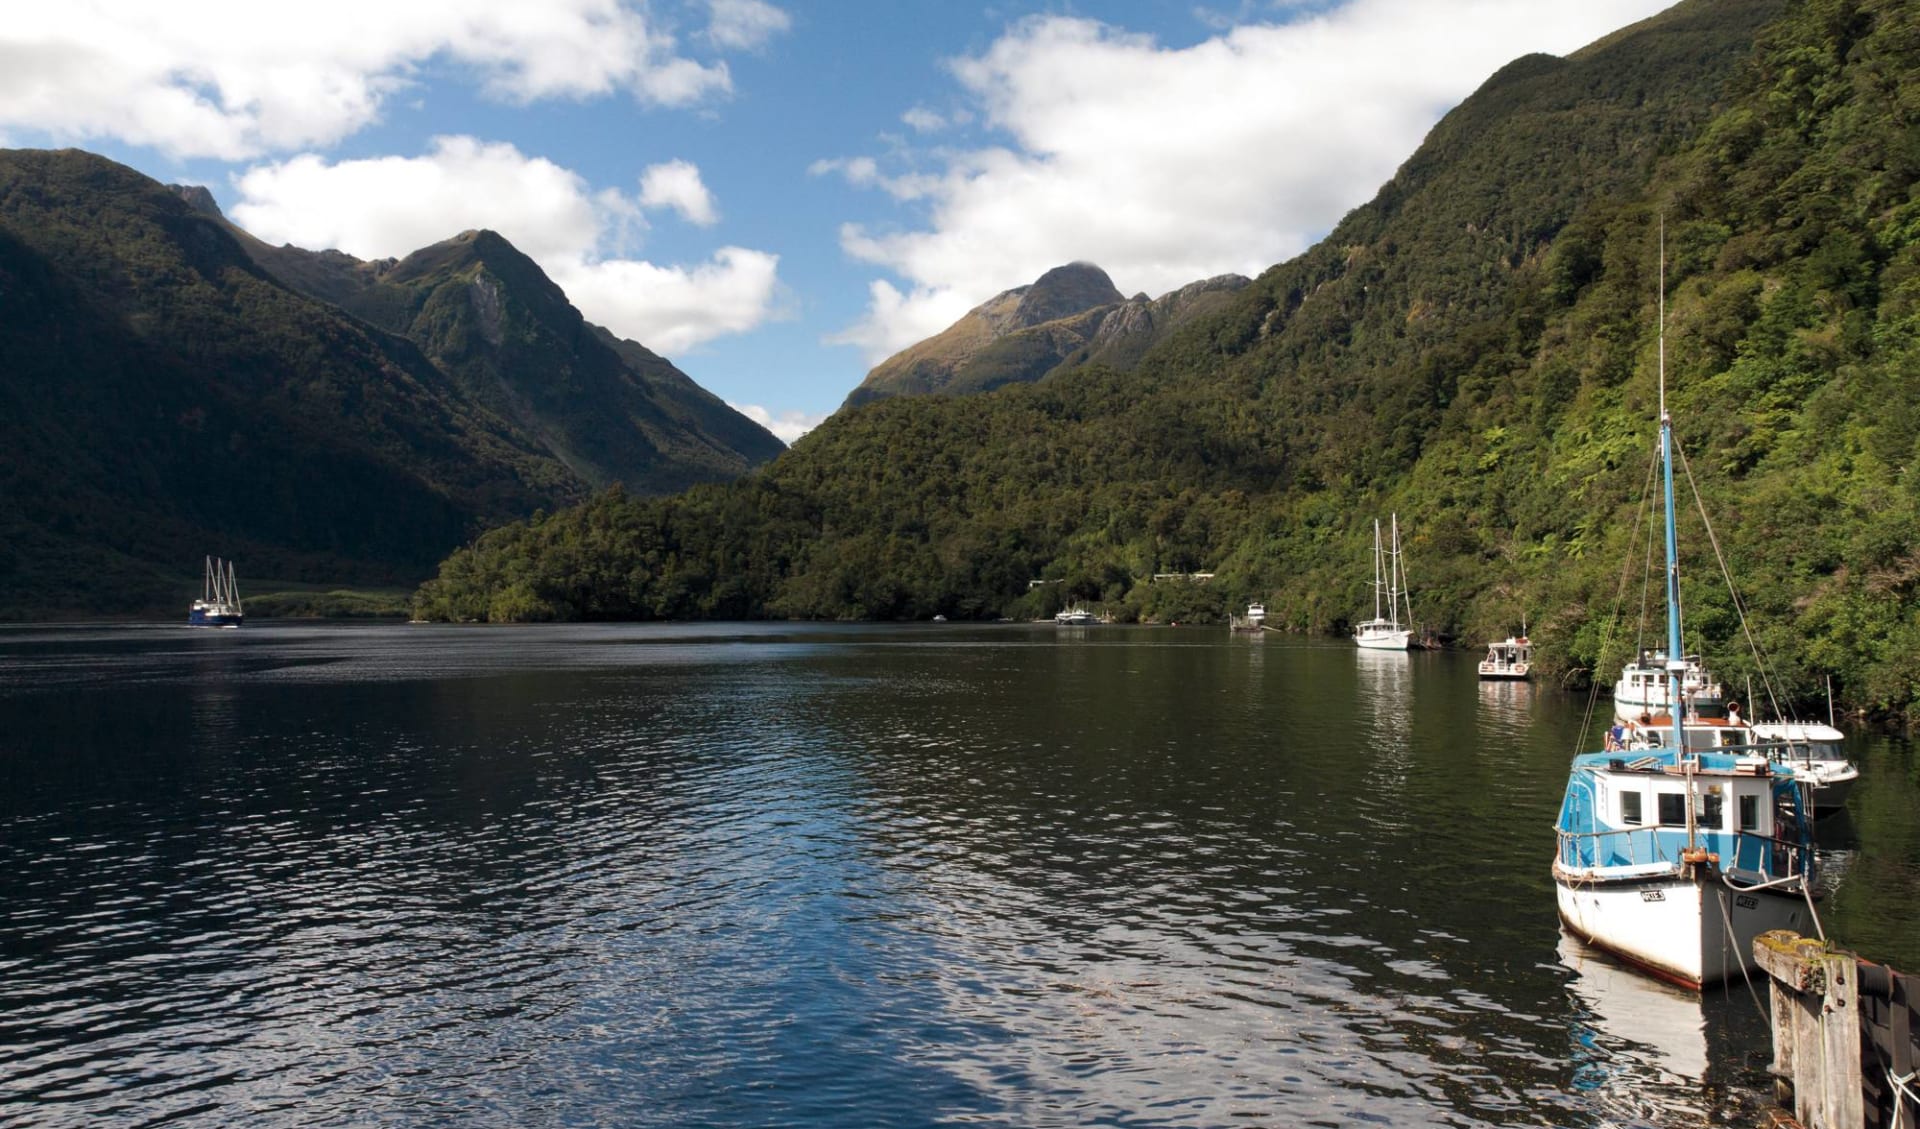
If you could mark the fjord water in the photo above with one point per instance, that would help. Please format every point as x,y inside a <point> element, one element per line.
<point>826,876</point>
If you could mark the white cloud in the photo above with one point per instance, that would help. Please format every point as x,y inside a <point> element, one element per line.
<point>786,426</point>
<point>745,24</point>
<point>673,309</point>
<point>235,79</point>
<point>677,185</point>
<point>391,206</point>
<point>1167,165</point>
<point>922,120</point>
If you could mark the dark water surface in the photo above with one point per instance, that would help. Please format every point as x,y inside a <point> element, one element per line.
<point>827,876</point>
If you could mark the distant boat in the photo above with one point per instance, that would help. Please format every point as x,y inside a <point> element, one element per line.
<point>1254,620</point>
<point>1509,661</point>
<point>1075,616</point>
<point>1384,632</point>
<point>219,602</point>
<point>1643,686</point>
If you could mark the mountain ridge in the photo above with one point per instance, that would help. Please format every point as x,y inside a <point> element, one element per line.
<point>1070,315</point>
<point>264,419</point>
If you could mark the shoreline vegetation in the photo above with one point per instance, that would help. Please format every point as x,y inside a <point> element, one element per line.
<point>1475,348</point>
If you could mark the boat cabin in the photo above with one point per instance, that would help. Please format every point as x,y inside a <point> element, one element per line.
<point>1630,811</point>
<point>1512,658</point>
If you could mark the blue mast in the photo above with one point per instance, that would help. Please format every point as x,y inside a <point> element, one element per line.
<point>1676,661</point>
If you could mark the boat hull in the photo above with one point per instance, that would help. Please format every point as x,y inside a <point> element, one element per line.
<point>1384,640</point>
<point>1691,931</point>
<point>197,618</point>
<point>1503,674</point>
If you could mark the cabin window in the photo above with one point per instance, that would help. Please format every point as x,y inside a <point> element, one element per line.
<point>1673,809</point>
<point>1749,813</point>
<point>1630,813</point>
<point>1712,811</point>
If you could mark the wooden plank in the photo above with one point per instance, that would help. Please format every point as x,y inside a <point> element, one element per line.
<point>1790,959</point>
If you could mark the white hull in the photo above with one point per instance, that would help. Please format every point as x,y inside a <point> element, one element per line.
<point>1383,640</point>
<point>1692,932</point>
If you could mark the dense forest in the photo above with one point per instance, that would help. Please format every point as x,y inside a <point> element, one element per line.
<point>1476,350</point>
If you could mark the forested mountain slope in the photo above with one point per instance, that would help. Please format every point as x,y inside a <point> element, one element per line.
<point>163,396</point>
<point>1474,349</point>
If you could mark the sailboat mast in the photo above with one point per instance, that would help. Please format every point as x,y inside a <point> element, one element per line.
<point>1377,562</point>
<point>1400,580</point>
<point>1676,662</point>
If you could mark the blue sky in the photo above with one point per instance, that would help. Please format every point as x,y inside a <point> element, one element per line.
<point>777,196</point>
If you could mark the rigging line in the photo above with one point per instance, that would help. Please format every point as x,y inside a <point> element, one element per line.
<point>1720,899</point>
<point>1646,568</point>
<point>1619,597</point>
<point>1739,606</point>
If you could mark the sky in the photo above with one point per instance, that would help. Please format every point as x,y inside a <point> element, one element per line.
<point>777,196</point>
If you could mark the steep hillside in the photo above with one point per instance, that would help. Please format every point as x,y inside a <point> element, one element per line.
<point>1473,349</point>
<point>610,409</point>
<point>163,397</point>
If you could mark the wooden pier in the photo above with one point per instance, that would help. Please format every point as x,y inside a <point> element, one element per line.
<point>1846,1034</point>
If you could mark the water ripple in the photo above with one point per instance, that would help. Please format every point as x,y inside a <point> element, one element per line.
<point>782,877</point>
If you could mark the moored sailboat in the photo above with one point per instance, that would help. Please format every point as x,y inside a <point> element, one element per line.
<point>1672,853</point>
<point>219,602</point>
<point>1384,631</point>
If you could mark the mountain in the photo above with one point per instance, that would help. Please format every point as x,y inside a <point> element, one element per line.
<point>609,409</point>
<point>1070,315</point>
<point>1476,349</point>
<point>171,389</point>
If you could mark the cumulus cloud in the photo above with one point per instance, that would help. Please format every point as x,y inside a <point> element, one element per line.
<point>677,185</point>
<point>745,25</point>
<point>390,206</point>
<point>786,426</point>
<point>232,79</point>
<point>1167,165</point>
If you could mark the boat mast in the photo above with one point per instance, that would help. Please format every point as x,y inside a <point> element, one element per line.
<point>1378,583</point>
<point>1400,597</point>
<point>1676,662</point>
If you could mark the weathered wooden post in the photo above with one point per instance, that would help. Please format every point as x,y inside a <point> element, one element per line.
<point>1816,1028</point>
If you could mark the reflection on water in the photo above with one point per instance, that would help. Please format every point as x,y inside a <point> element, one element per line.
<point>803,876</point>
<point>1650,1054</point>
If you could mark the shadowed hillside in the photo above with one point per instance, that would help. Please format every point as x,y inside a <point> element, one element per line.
<point>169,394</point>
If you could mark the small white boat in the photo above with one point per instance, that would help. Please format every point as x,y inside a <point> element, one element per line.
<point>1642,688</point>
<point>1509,661</point>
<point>1075,616</point>
<point>219,602</point>
<point>1810,750</point>
<point>1814,752</point>
<point>1384,631</point>
<point>1254,620</point>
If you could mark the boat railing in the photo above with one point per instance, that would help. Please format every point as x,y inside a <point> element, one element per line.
<point>1633,851</point>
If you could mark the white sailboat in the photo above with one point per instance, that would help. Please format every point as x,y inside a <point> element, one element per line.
<point>1674,853</point>
<point>1384,631</point>
<point>219,602</point>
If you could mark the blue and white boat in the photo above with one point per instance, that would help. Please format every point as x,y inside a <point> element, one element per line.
<point>1675,851</point>
<point>219,602</point>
